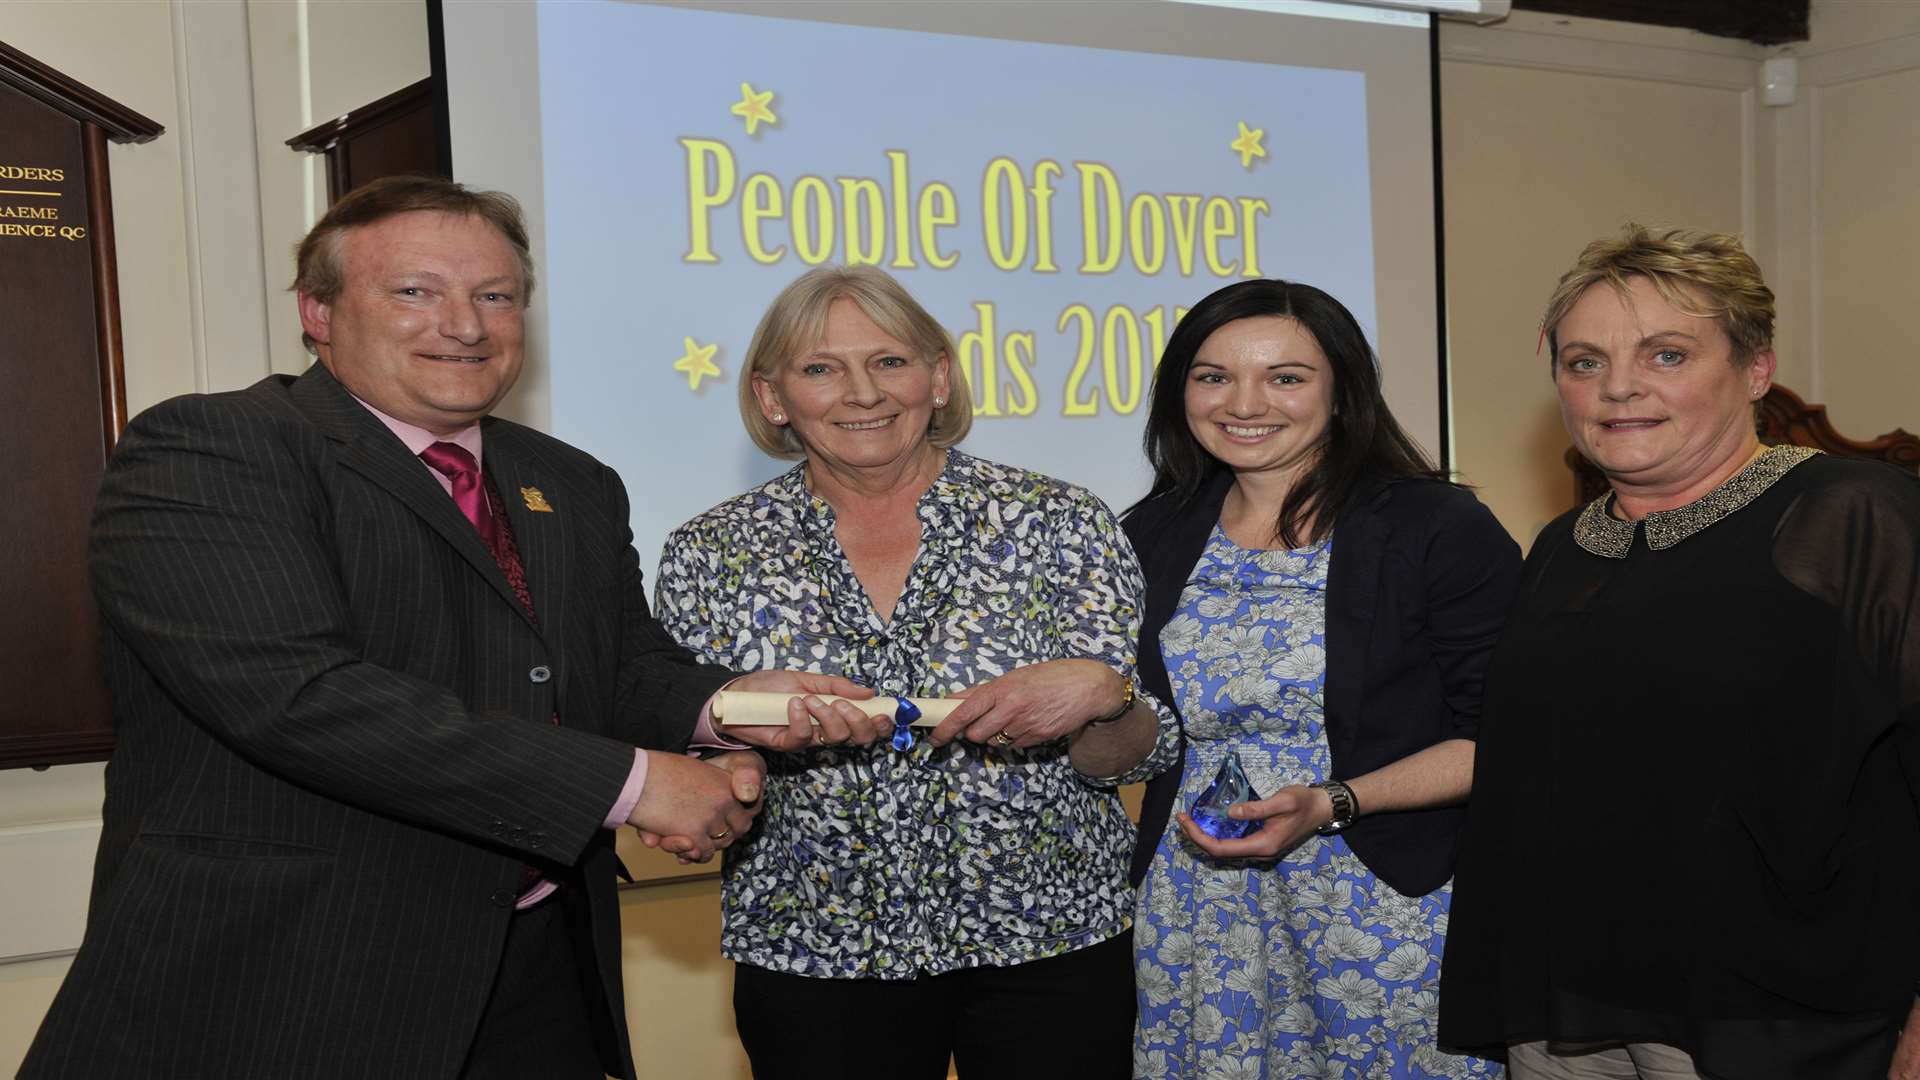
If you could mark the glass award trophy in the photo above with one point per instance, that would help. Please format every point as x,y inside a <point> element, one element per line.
<point>1230,785</point>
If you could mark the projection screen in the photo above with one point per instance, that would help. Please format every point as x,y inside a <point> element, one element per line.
<point>1056,182</point>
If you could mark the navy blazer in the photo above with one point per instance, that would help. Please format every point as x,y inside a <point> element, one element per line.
<point>1421,581</point>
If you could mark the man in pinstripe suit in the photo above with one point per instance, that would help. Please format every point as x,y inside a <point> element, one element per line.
<point>380,664</point>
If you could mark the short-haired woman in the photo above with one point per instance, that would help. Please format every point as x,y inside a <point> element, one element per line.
<point>1320,604</point>
<point>1692,845</point>
<point>966,897</point>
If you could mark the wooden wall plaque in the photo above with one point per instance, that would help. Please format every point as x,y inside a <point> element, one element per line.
<point>63,405</point>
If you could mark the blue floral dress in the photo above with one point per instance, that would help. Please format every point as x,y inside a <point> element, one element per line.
<point>1309,967</point>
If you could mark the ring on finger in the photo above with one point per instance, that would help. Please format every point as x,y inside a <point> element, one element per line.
<point>721,835</point>
<point>1001,738</point>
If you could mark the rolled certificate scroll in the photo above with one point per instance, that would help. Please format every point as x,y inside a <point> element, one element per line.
<point>745,708</point>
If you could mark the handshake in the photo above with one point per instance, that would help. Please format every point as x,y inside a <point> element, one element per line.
<point>692,808</point>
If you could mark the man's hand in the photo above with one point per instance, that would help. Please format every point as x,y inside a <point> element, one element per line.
<point>810,721</point>
<point>749,774</point>
<point>1291,815</point>
<point>693,808</point>
<point>1906,1056</point>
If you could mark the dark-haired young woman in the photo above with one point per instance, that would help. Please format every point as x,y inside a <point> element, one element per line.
<point>1321,604</point>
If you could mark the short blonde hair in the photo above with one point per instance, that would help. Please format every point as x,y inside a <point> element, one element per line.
<point>1705,274</point>
<point>797,319</point>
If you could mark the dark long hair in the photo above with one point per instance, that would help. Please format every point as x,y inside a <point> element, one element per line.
<point>1364,444</point>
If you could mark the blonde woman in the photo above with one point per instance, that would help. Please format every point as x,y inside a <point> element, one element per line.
<point>964,897</point>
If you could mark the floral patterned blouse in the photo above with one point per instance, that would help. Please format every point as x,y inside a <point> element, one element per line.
<point>870,862</point>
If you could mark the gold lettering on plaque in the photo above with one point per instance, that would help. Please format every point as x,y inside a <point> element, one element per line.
<point>44,232</point>
<point>17,212</point>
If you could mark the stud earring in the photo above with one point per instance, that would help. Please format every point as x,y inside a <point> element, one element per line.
<point>779,418</point>
<point>939,402</point>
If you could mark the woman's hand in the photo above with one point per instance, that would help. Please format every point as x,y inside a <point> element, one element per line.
<point>811,721</point>
<point>1035,704</point>
<point>1291,815</point>
<point>1906,1056</point>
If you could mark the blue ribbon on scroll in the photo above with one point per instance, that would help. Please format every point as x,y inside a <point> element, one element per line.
<point>904,714</point>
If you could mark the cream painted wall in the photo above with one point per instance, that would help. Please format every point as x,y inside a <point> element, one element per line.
<point>1854,182</point>
<point>1558,129</point>
<point>1868,156</point>
<point>311,63</point>
<point>1541,157</point>
<point>1852,24</point>
<point>45,898</point>
<point>293,187</point>
<point>363,50</point>
<point>679,990</point>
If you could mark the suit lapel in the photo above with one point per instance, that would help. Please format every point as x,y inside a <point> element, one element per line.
<point>542,536</point>
<point>366,447</point>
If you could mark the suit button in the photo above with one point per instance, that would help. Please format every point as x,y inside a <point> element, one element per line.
<point>536,839</point>
<point>540,674</point>
<point>498,828</point>
<point>502,898</point>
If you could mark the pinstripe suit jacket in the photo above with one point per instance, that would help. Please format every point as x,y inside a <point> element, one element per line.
<point>335,741</point>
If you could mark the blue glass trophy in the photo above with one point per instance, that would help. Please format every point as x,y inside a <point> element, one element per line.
<point>1230,785</point>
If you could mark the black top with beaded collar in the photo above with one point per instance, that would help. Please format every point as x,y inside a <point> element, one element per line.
<point>1694,809</point>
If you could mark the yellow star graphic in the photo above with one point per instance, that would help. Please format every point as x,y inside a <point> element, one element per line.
<point>697,363</point>
<point>753,108</point>
<point>1247,144</point>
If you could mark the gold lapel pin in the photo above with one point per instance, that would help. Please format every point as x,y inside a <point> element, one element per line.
<point>535,500</point>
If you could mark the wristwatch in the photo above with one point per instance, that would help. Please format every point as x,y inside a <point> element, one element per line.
<point>1345,807</point>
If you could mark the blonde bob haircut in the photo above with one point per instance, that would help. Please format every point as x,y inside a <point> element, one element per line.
<point>797,319</point>
<point>1705,274</point>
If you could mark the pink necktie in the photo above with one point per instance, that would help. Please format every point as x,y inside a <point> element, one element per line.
<point>453,462</point>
